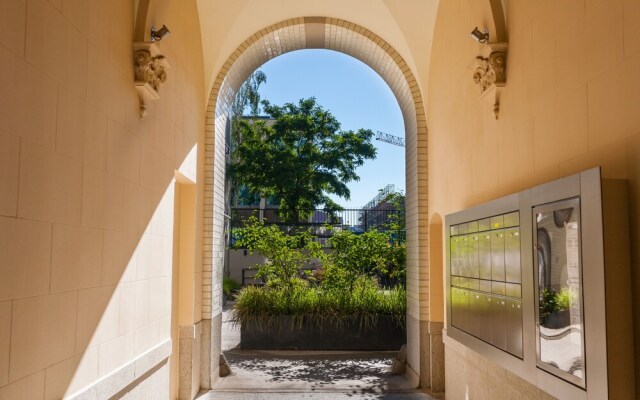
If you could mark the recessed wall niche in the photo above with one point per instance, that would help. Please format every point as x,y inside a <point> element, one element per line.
<point>538,282</point>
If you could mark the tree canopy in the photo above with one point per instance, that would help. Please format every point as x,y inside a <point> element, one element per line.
<point>300,156</point>
<point>247,99</point>
<point>249,95</point>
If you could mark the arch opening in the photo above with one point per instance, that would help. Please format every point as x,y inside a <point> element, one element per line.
<point>364,45</point>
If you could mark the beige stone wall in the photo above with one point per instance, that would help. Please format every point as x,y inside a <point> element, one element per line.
<point>477,378</point>
<point>87,189</point>
<point>571,103</point>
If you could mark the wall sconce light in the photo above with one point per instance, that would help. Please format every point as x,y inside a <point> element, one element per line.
<point>478,36</point>
<point>159,34</point>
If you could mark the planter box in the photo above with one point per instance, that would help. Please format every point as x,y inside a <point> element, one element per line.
<point>387,334</point>
<point>557,320</point>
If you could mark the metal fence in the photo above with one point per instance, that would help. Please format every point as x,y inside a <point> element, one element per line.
<point>322,223</point>
<point>249,275</point>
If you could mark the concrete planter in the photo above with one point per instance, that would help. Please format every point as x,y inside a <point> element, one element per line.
<point>386,334</point>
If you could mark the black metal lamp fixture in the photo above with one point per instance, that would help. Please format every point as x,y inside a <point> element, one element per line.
<point>159,34</point>
<point>479,36</point>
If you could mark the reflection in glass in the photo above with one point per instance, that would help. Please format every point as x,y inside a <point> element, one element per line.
<point>560,324</point>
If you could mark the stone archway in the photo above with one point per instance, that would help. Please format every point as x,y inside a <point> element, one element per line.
<point>356,41</point>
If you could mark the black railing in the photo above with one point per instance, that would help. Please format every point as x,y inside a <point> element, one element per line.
<point>322,223</point>
<point>249,275</point>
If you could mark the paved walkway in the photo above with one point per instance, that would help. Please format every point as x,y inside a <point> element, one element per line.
<point>293,375</point>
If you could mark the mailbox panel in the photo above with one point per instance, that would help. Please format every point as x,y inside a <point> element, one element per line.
<point>498,288</point>
<point>497,255</point>
<point>476,311</point>
<point>512,219</point>
<point>484,255</point>
<point>464,309</point>
<point>486,316</point>
<point>463,255</point>
<point>455,259</point>
<point>472,227</point>
<point>513,290</point>
<point>485,280</point>
<point>472,250</point>
<point>455,307</point>
<point>484,224</point>
<point>512,255</point>
<point>514,327</point>
<point>498,323</point>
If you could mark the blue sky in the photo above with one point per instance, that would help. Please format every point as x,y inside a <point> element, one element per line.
<point>356,96</point>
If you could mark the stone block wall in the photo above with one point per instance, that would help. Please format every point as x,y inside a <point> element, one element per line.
<point>570,104</point>
<point>87,198</point>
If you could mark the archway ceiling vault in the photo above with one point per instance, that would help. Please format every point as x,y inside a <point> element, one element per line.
<point>407,26</point>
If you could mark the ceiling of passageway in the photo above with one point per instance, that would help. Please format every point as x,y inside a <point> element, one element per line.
<point>407,26</point>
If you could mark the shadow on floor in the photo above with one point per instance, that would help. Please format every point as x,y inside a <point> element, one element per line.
<point>293,375</point>
<point>314,370</point>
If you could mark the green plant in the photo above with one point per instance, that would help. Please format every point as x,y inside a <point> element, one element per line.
<point>286,254</point>
<point>355,257</point>
<point>564,298</point>
<point>551,301</point>
<point>315,304</point>
<point>547,303</point>
<point>230,286</point>
<point>345,287</point>
<point>396,221</point>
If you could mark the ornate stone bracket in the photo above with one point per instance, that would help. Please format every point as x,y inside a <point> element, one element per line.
<point>490,73</point>
<point>151,72</point>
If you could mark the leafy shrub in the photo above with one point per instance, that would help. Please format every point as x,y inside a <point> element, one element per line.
<point>369,254</point>
<point>564,298</point>
<point>286,254</point>
<point>345,287</point>
<point>551,301</point>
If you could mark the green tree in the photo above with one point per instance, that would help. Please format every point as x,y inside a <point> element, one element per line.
<point>247,99</point>
<point>396,221</point>
<point>301,157</point>
<point>355,257</point>
<point>249,95</point>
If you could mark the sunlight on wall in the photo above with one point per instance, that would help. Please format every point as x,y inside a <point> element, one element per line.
<point>137,314</point>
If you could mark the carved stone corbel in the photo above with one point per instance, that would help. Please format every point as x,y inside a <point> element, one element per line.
<point>490,73</point>
<point>151,72</point>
